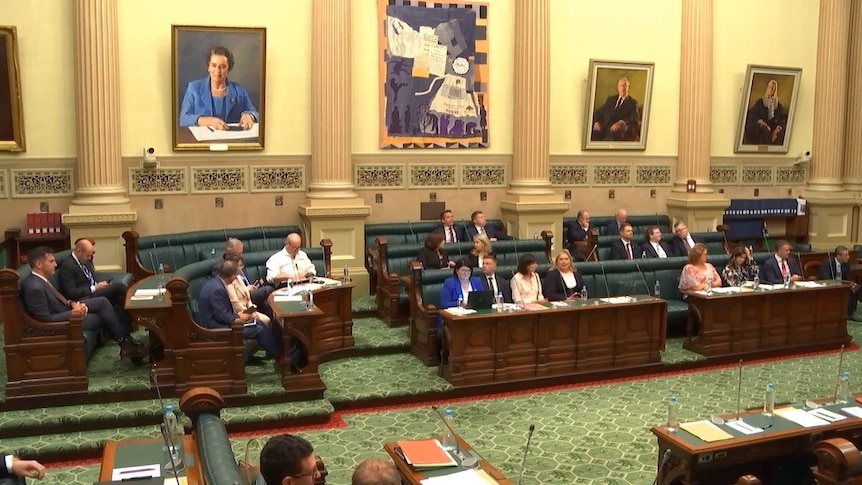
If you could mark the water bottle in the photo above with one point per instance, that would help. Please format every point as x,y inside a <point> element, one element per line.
<point>448,440</point>
<point>308,299</point>
<point>709,286</point>
<point>172,429</point>
<point>844,395</point>
<point>838,275</point>
<point>536,235</point>
<point>756,283</point>
<point>787,279</point>
<point>212,253</point>
<point>769,400</point>
<point>160,277</point>
<point>346,274</point>
<point>498,301</point>
<point>460,303</point>
<point>672,415</point>
<point>656,290</point>
<point>584,293</point>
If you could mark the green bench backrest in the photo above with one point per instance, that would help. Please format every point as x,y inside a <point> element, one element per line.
<point>410,233</point>
<point>639,223</point>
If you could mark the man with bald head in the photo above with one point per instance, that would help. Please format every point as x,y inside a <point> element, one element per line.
<point>617,119</point>
<point>290,263</point>
<point>77,279</point>
<point>613,227</point>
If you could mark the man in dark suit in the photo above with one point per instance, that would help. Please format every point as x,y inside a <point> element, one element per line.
<point>258,289</point>
<point>617,118</point>
<point>492,281</point>
<point>683,240</point>
<point>654,247</point>
<point>773,269</point>
<point>479,226</point>
<point>44,302</point>
<point>624,247</point>
<point>13,466</point>
<point>77,280</point>
<point>216,311</point>
<point>578,231</point>
<point>838,266</point>
<point>451,232</point>
<point>613,227</point>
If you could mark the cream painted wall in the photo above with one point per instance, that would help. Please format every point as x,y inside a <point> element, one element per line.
<point>743,36</point>
<point>146,77</point>
<point>47,61</point>
<point>644,32</point>
<point>365,54</point>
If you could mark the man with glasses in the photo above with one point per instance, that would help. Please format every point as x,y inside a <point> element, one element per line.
<point>290,263</point>
<point>288,460</point>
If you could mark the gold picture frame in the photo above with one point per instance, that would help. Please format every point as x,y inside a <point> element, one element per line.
<point>233,57</point>
<point>618,105</point>
<point>12,115</point>
<point>768,105</point>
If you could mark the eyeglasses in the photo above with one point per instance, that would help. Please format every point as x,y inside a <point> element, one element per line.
<point>306,474</point>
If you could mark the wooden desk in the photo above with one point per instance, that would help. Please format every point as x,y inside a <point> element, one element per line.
<point>323,331</point>
<point>118,454</point>
<point>413,477</point>
<point>692,461</point>
<point>773,321</point>
<point>583,337</point>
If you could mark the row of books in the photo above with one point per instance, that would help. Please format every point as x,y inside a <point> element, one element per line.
<point>44,223</point>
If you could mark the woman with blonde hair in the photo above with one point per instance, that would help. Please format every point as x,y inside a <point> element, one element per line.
<point>698,274</point>
<point>481,248</point>
<point>563,281</point>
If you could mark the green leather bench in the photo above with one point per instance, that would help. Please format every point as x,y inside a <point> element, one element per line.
<point>181,249</point>
<point>393,262</point>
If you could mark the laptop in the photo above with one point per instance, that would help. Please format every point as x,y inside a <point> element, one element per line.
<point>480,300</point>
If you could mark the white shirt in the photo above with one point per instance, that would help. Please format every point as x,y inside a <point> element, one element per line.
<point>80,265</point>
<point>658,249</point>
<point>281,262</point>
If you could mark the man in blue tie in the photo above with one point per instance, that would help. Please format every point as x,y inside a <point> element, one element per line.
<point>77,279</point>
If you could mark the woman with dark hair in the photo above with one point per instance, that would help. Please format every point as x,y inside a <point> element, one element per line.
<point>563,281</point>
<point>698,274</point>
<point>740,267</point>
<point>459,285</point>
<point>432,255</point>
<point>526,284</point>
<point>215,101</point>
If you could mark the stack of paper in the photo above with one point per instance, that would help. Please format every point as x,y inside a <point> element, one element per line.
<point>426,454</point>
<point>467,477</point>
<point>706,431</point>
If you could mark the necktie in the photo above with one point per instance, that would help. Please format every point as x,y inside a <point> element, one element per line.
<point>491,285</point>
<point>57,293</point>
<point>88,274</point>
<point>629,250</point>
<point>660,251</point>
<point>783,266</point>
<point>687,245</point>
<point>481,230</point>
<point>619,102</point>
<point>451,234</point>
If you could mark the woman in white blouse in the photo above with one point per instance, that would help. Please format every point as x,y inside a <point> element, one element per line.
<point>526,284</point>
<point>239,293</point>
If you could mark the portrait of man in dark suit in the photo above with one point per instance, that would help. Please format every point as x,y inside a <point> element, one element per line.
<point>618,105</point>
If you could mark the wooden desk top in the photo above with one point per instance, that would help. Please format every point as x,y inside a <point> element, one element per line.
<point>414,477</point>
<point>153,447</point>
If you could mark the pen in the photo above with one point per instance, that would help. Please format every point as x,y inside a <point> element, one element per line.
<point>136,470</point>
<point>211,129</point>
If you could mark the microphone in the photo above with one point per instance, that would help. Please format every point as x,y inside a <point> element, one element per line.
<point>799,262</point>
<point>410,225</point>
<point>466,461</point>
<point>174,463</point>
<point>765,232</point>
<point>832,264</point>
<point>723,229</point>
<point>526,449</point>
<point>605,277</point>
<point>595,246</point>
<point>739,394</point>
<point>153,262</point>
<point>638,265</point>
<point>173,258</point>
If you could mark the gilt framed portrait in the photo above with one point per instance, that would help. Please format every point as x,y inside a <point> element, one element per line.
<point>768,104</point>
<point>618,103</point>
<point>11,110</point>
<point>219,76</point>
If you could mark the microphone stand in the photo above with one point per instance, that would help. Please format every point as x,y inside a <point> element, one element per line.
<point>175,460</point>
<point>466,461</point>
<point>595,246</point>
<point>526,449</point>
<point>605,277</point>
<point>646,287</point>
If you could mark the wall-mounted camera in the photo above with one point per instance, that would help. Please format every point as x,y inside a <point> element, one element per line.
<point>149,161</point>
<point>804,159</point>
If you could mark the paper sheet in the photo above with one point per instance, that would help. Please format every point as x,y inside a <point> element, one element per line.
<point>466,477</point>
<point>135,297</point>
<point>744,427</point>
<point>287,298</point>
<point>801,417</point>
<point>853,411</point>
<point>827,415</point>
<point>205,133</point>
<point>706,431</point>
<point>141,471</point>
<point>808,284</point>
<point>459,311</point>
<point>618,299</point>
<point>149,292</point>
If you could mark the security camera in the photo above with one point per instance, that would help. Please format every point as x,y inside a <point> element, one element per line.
<point>803,160</point>
<point>149,160</point>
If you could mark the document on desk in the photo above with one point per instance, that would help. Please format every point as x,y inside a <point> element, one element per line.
<point>618,299</point>
<point>149,292</point>
<point>853,411</point>
<point>801,417</point>
<point>285,297</point>
<point>807,284</point>
<point>467,477</point>
<point>205,133</point>
<point>706,431</point>
<point>132,472</point>
<point>826,415</point>
<point>744,427</point>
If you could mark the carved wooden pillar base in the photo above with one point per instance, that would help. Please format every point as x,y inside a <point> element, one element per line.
<point>526,216</point>
<point>342,221</point>
<point>700,212</point>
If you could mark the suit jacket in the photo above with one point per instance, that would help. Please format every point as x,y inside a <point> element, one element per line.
<point>198,101</point>
<point>678,245</point>
<point>612,228</point>
<point>214,307</point>
<point>490,231</point>
<point>72,280</point>
<point>430,260</point>
<point>4,473</point>
<point>827,270</point>
<point>652,253</point>
<point>554,287</point>
<point>460,233</point>
<point>770,272</point>
<point>40,300</point>
<point>618,251</point>
<point>503,286</point>
<point>609,113</point>
<point>451,291</point>
<point>577,233</point>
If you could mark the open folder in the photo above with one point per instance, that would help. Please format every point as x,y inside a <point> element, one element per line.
<point>425,454</point>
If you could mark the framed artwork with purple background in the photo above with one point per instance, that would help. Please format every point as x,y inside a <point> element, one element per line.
<point>433,74</point>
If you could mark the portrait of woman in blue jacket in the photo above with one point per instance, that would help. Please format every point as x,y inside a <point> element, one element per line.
<point>215,101</point>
